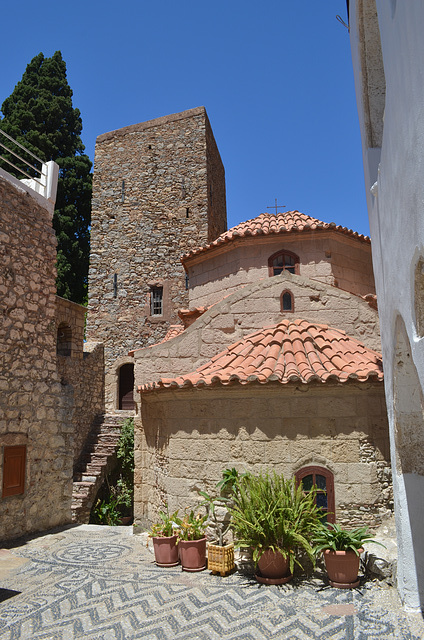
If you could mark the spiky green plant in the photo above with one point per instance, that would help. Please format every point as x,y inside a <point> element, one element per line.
<point>333,537</point>
<point>192,526</point>
<point>270,512</point>
<point>167,526</point>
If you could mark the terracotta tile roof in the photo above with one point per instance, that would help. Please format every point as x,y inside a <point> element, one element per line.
<point>291,351</point>
<point>173,331</point>
<point>271,223</point>
<point>188,316</point>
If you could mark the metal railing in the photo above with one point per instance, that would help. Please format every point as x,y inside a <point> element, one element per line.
<point>42,179</point>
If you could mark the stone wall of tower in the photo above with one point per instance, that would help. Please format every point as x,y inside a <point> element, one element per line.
<point>158,190</point>
<point>35,408</point>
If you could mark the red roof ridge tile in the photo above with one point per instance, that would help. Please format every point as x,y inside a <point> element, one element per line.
<point>271,223</point>
<point>292,350</point>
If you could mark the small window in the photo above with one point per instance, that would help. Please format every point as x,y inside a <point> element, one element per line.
<point>156,301</point>
<point>323,480</point>
<point>14,470</point>
<point>64,340</point>
<point>283,261</point>
<point>287,301</point>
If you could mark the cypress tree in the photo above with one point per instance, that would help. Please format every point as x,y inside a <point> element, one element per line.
<point>39,114</point>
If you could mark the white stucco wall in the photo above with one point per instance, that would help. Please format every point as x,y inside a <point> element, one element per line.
<point>396,213</point>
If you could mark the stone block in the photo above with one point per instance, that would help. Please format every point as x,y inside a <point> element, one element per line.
<point>346,451</point>
<point>361,473</point>
<point>277,452</point>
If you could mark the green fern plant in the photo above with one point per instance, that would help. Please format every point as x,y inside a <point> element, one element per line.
<point>270,512</point>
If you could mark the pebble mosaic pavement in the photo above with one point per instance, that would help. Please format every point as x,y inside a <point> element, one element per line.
<point>101,583</point>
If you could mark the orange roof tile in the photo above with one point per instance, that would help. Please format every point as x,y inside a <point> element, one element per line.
<point>291,351</point>
<point>173,331</point>
<point>271,223</point>
<point>188,316</point>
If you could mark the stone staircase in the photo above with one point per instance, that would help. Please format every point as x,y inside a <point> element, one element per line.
<point>96,460</point>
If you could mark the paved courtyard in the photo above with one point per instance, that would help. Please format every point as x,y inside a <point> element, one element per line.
<point>101,583</point>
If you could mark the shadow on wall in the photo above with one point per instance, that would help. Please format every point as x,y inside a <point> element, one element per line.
<point>409,439</point>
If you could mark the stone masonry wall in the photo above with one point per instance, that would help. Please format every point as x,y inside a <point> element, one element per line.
<point>81,372</point>
<point>249,309</point>
<point>72,315</point>
<point>328,257</point>
<point>34,406</point>
<point>158,190</point>
<point>186,438</point>
<point>84,381</point>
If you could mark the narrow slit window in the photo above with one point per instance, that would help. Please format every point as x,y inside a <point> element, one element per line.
<point>287,301</point>
<point>123,191</point>
<point>156,301</point>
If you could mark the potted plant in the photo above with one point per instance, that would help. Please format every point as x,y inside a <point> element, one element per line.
<point>192,541</point>
<point>342,550</point>
<point>165,539</point>
<point>276,519</point>
<point>229,483</point>
<point>220,551</point>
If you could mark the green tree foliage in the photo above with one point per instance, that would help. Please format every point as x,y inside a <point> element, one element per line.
<point>39,114</point>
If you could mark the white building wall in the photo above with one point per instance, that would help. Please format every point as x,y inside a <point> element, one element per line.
<point>394,179</point>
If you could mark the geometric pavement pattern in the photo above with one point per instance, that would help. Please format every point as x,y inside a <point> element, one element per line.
<point>103,585</point>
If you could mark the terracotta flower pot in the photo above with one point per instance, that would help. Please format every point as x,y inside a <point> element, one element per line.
<point>273,568</point>
<point>193,554</point>
<point>342,568</point>
<point>166,551</point>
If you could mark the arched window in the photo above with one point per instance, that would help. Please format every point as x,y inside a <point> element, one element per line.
<point>126,387</point>
<point>287,301</point>
<point>323,480</point>
<point>283,261</point>
<point>64,340</point>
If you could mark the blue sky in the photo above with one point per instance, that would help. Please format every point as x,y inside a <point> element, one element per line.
<point>276,80</point>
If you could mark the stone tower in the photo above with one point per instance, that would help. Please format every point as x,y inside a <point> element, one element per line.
<point>158,191</point>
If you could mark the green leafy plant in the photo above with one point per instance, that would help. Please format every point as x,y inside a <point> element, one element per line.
<point>220,529</point>
<point>334,538</point>
<point>192,526</point>
<point>230,480</point>
<point>116,495</point>
<point>110,510</point>
<point>106,512</point>
<point>270,512</point>
<point>125,449</point>
<point>166,527</point>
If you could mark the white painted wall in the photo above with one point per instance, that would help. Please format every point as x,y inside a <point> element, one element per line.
<point>396,212</point>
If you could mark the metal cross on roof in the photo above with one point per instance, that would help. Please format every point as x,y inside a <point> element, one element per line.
<point>276,206</point>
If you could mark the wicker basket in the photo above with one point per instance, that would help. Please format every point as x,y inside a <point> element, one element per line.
<point>220,559</point>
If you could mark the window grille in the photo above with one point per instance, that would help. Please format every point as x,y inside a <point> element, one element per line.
<point>156,301</point>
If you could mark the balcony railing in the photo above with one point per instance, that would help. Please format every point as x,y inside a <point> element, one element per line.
<point>40,176</point>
